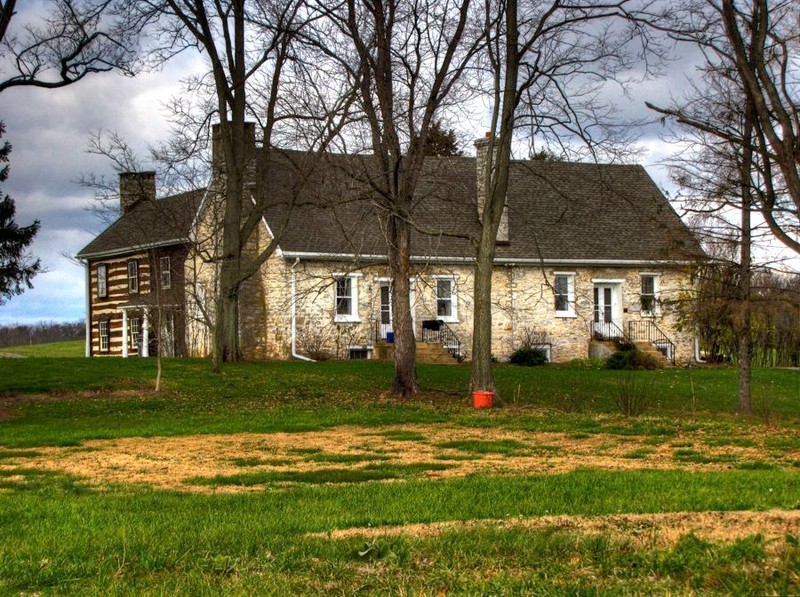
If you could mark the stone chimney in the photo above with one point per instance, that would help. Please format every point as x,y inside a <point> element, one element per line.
<point>135,187</point>
<point>481,155</point>
<point>217,151</point>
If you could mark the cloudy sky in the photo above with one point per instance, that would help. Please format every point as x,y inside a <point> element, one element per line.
<point>50,131</point>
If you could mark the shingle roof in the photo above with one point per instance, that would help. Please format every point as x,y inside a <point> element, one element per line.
<point>149,224</point>
<point>557,211</point>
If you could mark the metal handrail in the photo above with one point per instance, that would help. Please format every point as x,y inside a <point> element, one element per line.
<point>440,333</point>
<point>649,331</point>
<point>608,330</point>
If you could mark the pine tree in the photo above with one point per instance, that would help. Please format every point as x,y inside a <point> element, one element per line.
<point>16,266</point>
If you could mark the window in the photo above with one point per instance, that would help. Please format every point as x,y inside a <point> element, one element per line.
<point>166,275</point>
<point>446,299</point>
<point>136,328</point>
<point>564,294</point>
<point>359,353</point>
<point>103,327</point>
<point>102,281</point>
<point>649,294</point>
<point>133,276</point>
<point>346,298</point>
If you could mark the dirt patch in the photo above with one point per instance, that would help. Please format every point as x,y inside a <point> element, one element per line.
<point>655,530</point>
<point>169,462</point>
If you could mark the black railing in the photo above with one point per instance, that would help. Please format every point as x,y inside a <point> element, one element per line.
<point>650,332</point>
<point>608,330</point>
<point>436,331</point>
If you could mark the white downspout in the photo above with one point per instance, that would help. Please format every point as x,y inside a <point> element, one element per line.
<point>294,315</point>
<point>88,324</point>
<point>697,356</point>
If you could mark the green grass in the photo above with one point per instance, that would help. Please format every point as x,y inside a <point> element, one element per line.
<point>71,348</point>
<point>60,536</point>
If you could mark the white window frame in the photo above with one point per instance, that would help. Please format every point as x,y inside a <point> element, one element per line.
<point>453,317</point>
<point>135,326</point>
<point>133,276</point>
<point>654,312</point>
<point>104,334</point>
<point>352,315</point>
<point>102,280</point>
<point>570,310</point>
<point>165,273</point>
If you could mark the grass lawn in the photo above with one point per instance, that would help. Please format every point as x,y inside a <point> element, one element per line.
<point>71,348</point>
<point>285,478</point>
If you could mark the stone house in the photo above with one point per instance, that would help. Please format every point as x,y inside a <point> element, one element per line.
<point>586,253</point>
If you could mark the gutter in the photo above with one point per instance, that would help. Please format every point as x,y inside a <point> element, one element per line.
<point>497,260</point>
<point>294,316</point>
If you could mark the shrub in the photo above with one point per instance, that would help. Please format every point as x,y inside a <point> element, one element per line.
<point>529,357</point>
<point>631,395</point>
<point>633,359</point>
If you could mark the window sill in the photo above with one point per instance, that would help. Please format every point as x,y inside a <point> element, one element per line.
<point>346,319</point>
<point>448,319</point>
<point>566,315</point>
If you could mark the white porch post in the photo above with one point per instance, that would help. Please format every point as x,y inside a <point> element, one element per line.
<point>124,333</point>
<point>145,334</point>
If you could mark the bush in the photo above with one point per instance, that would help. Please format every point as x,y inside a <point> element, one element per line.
<point>529,357</point>
<point>633,359</point>
<point>631,395</point>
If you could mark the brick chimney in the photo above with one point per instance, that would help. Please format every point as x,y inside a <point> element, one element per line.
<point>135,187</point>
<point>481,155</point>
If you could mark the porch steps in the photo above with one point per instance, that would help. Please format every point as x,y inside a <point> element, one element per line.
<point>650,349</point>
<point>428,353</point>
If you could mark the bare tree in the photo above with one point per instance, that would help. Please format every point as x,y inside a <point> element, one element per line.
<point>547,62</point>
<point>240,40</point>
<point>70,41</point>
<point>753,44</point>
<point>408,59</point>
<point>741,120</point>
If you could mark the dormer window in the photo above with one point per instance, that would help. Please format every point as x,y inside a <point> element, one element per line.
<point>133,276</point>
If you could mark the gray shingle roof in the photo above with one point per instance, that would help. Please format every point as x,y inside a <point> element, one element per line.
<point>557,211</point>
<point>149,224</point>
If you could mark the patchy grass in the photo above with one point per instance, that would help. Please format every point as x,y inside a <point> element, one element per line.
<point>281,505</point>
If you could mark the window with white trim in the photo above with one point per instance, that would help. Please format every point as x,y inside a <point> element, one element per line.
<point>649,294</point>
<point>133,276</point>
<point>446,299</point>
<point>102,280</point>
<point>564,294</point>
<point>136,328</point>
<point>103,328</point>
<point>346,298</point>
<point>166,274</point>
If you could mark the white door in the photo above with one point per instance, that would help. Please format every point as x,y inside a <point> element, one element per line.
<point>607,320</point>
<point>386,310</point>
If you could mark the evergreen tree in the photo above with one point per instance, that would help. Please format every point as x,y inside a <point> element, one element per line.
<point>16,267</point>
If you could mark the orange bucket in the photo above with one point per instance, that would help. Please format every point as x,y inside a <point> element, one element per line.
<point>482,399</point>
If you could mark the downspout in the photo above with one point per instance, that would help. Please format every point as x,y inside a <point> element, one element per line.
<point>294,315</point>
<point>697,357</point>
<point>88,323</point>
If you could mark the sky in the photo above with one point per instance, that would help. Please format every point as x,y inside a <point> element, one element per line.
<point>50,131</point>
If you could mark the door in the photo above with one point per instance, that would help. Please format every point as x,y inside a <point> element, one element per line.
<point>607,325</point>
<point>385,322</point>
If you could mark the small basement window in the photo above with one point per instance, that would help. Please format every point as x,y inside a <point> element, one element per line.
<point>359,353</point>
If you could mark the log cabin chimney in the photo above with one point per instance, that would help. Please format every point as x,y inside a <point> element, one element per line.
<point>135,187</point>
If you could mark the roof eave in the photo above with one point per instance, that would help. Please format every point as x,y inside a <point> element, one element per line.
<point>133,249</point>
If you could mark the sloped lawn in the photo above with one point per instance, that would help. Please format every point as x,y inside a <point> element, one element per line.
<point>287,478</point>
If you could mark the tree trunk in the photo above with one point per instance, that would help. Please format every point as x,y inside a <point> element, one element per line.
<point>482,377</point>
<point>405,346</point>
<point>745,336</point>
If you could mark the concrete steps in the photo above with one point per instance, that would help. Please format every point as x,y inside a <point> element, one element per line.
<point>648,348</point>
<point>428,353</point>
